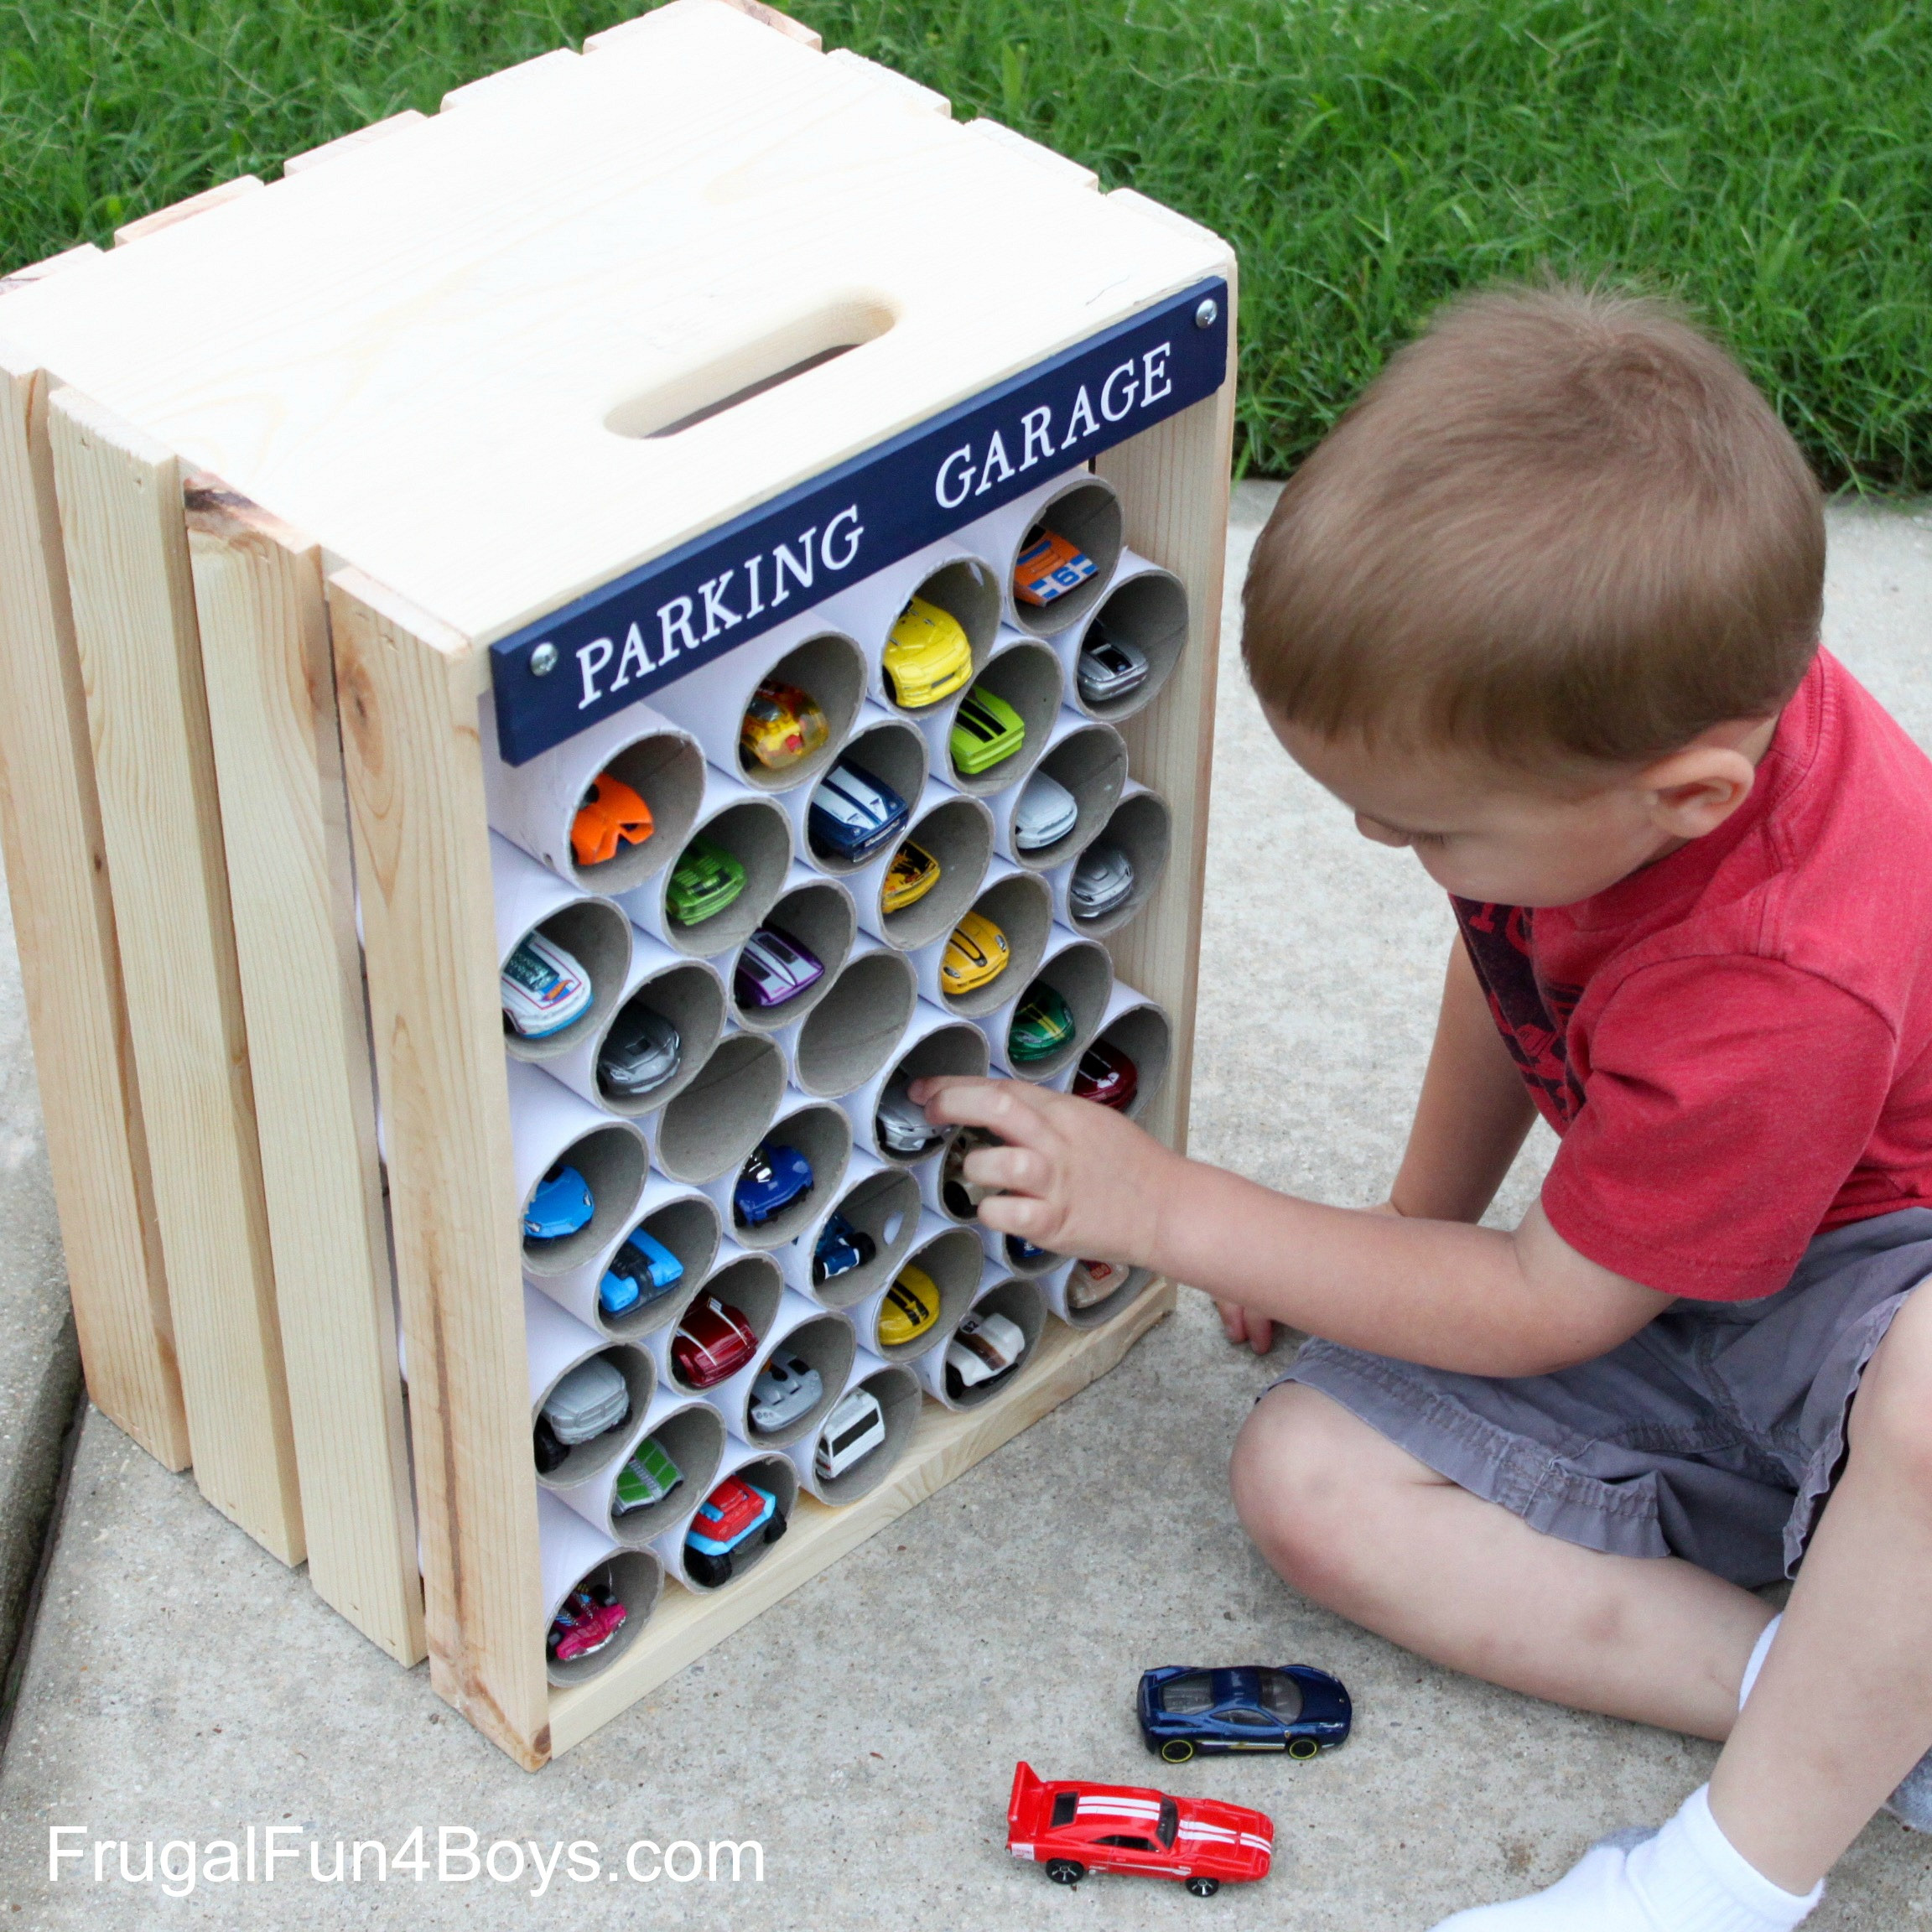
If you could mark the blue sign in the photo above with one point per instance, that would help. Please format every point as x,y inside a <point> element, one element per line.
<point>647,629</point>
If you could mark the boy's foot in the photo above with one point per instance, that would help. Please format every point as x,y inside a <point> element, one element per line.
<point>1687,1878</point>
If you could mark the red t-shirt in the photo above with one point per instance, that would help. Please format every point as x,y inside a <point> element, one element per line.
<point>1736,1042</point>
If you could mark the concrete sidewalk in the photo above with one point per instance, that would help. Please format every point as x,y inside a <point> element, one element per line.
<point>182,1685</point>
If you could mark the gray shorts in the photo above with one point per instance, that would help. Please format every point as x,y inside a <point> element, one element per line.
<point>1713,1434</point>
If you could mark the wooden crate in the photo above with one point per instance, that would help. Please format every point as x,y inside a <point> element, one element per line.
<point>293,483</point>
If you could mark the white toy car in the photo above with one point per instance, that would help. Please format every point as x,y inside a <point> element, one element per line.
<point>786,1388</point>
<point>855,1427</point>
<point>984,1348</point>
<point>903,1127</point>
<point>1090,1283</point>
<point>1102,878</point>
<point>590,1401</point>
<point>544,989</point>
<point>1045,814</point>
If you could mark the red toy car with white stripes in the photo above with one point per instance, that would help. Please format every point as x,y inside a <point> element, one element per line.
<point>1073,1828</point>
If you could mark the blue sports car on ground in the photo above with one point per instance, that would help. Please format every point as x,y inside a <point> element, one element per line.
<point>1296,1709</point>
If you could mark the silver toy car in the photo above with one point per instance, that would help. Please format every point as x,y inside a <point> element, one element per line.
<point>1045,814</point>
<point>1102,880</point>
<point>1109,668</point>
<point>786,1388</point>
<point>592,1400</point>
<point>902,1124</point>
<point>640,1052</point>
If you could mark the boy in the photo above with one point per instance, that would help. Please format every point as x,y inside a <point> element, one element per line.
<point>1544,608</point>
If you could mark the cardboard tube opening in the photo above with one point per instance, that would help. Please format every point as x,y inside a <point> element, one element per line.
<point>774,1474</point>
<point>824,1136</point>
<point>1030,1267</point>
<point>1027,675</point>
<point>890,750</point>
<point>895,1389</point>
<point>693,1438</point>
<point>826,1345</point>
<point>954,1262</point>
<point>718,1119</point>
<point>1098,1314</point>
<point>1022,907</point>
<point>1020,1301</point>
<point>758,835</point>
<point>595,934</point>
<point>959,1048</point>
<point>611,1161</point>
<point>667,771</point>
<point>691,999</point>
<point>829,669</point>
<point>1092,764</point>
<point>582,1459</point>
<point>959,836</point>
<point>1088,514</point>
<point>1148,611</point>
<point>688,1227</point>
<point>885,1208</point>
<point>852,1032</point>
<point>1083,975</point>
<point>637,1578</point>
<point>820,916</point>
<point>1145,1035</point>
<point>1142,829</point>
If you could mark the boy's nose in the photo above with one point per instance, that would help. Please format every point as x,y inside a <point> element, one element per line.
<point>1381,834</point>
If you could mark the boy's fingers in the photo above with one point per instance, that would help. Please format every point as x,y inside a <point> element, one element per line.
<point>1014,1168</point>
<point>1008,1108</point>
<point>1234,1320</point>
<point>1017,1214</point>
<point>1260,1333</point>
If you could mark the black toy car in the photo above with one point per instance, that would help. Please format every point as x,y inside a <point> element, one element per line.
<point>1294,1708</point>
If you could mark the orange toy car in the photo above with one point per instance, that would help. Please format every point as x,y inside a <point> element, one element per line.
<point>1049,566</point>
<point>611,813</point>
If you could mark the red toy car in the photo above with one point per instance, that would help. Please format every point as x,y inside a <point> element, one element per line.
<point>1073,1828</point>
<point>590,1617</point>
<point>713,1342</point>
<point>1107,1075</point>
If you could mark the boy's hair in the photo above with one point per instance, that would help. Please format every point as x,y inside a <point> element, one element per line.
<point>1561,521</point>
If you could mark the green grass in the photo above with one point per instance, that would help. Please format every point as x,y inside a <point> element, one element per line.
<point>1770,161</point>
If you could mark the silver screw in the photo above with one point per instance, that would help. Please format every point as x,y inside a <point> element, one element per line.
<point>1207,314</point>
<point>542,659</point>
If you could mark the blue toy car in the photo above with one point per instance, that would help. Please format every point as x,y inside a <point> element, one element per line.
<point>562,1204</point>
<point>1296,1709</point>
<point>771,1180</point>
<point>841,1248</point>
<point>640,1271</point>
<point>853,813</point>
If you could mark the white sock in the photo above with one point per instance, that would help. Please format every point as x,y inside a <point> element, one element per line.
<point>1759,1651</point>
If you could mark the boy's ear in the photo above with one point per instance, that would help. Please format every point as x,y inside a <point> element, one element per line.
<point>1694,790</point>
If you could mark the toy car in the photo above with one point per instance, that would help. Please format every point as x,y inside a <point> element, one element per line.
<point>713,1342</point>
<point>1297,1709</point>
<point>590,1617</point>
<point>774,967</point>
<point>643,1271</point>
<point>840,1248</point>
<point>648,1478</point>
<point>550,1452</point>
<point>562,1204</point>
<point>984,1348</point>
<point>786,1388</point>
<point>729,1517</point>
<point>1090,1283</point>
<point>1023,1254</point>
<point>640,1052</point>
<point>1102,878</point>
<point>912,874</point>
<point>543,988</point>
<point>781,724</point>
<point>1045,814</point>
<point>1108,668</point>
<point>963,1197</point>
<point>773,1176</point>
<point>855,1427</point>
<point>591,1401</point>
<point>1048,566</point>
<point>1042,1024</point>
<point>705,880</point>
<point>1072,1828</point>
<point>986,731</point>
<point>911,1307</point>
<point>612,814</point>
<point>975,954</point>
<point>852,814</point>
<point>903,1127</point>
<point>928,656</point>
<point>1106,1075</point>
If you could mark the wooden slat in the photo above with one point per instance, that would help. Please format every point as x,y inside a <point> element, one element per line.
<point>271,685</point>
<point>408,687</point>
<point>348,143</point>
<point>126,546</point>
<point>218,196</point>
<point>945,1443</point>
<point>33,271</point>
<point>779,23</point>
<point>70,958</point>
<point>1173,482</point>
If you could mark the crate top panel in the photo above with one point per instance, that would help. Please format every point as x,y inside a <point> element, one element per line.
<point>459,356</point>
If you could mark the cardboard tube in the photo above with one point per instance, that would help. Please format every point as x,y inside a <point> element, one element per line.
<point>951,1257</point>
<point>549,1123</point>
<point>958,832</point>
<point>948,573</point>
<point>890,750</point>
<point>1089,759</point>
<point>879,1201</point>
<point>849,1036</point>
<point>1076,504</point>
<point>1080,971</point>
<point>718,1119</point>
<point>999,1293</point>
<point>1003,1252</point>
<point>820,1132</point>
<point>934,1043</point>
<point>819,913</point>
<point>573,1553</point>
<point>1020,904</point>
<point>594,932</point>
<point>749,1283</point>
<point>821,1337</point>
<point>1141,827</point>
<point>689,993</point>
<point>767,1469</point>
<point>753,829</point>
<point>535,805</point>
<point>809,652</point>
<point>685,1219</point>
<point>556,1346</point>
<point>1144,606</point>
<point>1140,1028</point>
<point>1060,1291</point>
<point>692,1434</point>
<point>1026,673</point>
<point>897,1391</point>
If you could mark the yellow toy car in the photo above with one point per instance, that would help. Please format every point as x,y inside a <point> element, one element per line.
<point>976,953</point>
<point>927,656</point>
<point>912,874</point>
<point>781,724</point>
<point>911,1307</point>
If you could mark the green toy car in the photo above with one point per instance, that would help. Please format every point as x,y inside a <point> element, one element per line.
<point>986,730</point>
<point>1041,1026</point>
<point>705,880</point>
<point>649,1477</point>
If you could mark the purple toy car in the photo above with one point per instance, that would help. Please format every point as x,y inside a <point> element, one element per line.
<point>772,969</point>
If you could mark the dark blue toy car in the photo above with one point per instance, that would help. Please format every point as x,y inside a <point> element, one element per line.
<point>772,1180</point>
<point>840,1248</point>
<point>853,813</point>
<point>1296,1709</point>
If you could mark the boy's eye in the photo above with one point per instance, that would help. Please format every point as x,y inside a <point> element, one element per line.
<point>1428,839</point>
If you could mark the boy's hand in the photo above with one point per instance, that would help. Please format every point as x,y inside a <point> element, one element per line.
<point>1076,1178</point>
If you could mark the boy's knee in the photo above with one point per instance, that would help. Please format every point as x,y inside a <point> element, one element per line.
<point>1298,1478</point>
<point>1891,1417</point>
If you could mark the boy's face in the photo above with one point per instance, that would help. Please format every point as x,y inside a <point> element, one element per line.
<point>1489,833</point>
